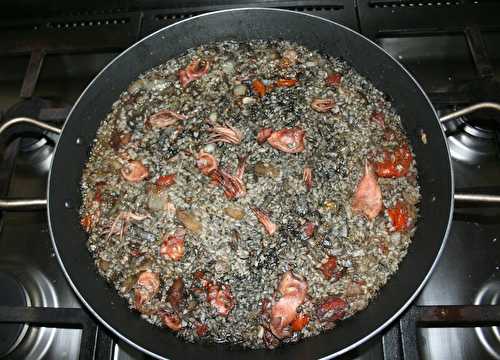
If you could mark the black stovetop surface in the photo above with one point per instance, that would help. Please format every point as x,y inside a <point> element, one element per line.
<point>450,48</point>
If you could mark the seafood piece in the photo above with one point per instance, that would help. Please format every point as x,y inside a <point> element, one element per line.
<point>264,219</point>
<point>308,178</point>
<point>171,320</point>
<point>233,186</point>
<point>134,171</point>
<point>175,293</point>
<point>227,134</point>
<point>206,163</point>
<point>289,140</point>
<point>368,196</point>
<point>221,298</point>
<point>293,285</point>
<point>194,71</point>
<point>164,118</point>
<point>172,246</point>
<point>240,170</point>
<point>293,290</point>
<point>147,286</point>
<point>322,105</point>
<point>263,135</point>
<point>120,224</point>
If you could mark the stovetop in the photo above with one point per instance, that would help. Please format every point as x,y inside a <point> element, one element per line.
<point>449,46</point>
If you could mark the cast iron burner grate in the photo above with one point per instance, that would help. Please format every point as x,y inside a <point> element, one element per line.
<point>95,343</point>
<point>399,342</point>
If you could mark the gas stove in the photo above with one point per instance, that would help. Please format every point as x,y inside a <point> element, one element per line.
<point>49,55</point>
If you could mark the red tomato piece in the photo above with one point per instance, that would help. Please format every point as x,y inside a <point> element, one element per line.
<point>201,329</point>
<point>309,228</point>
<point>165,181</point>
<point>396,163</point>
<point>332,309</point>
<point>399,216</point>
<point>259,88</point>
<point>378,117</point>
<point>333,79</point>
<point>285,82</point>
<point>329,268</point>
<point>300,322</point>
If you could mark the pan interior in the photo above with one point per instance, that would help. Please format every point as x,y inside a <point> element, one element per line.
<point>418,117</point>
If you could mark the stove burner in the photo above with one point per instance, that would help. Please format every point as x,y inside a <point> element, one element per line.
<point>25,286</point>
<point>489,337</point>
<point>472,140</point>
<point>13,294</point>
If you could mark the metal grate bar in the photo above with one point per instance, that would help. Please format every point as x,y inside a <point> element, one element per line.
<point>391,343</point>
<point>442,316</point>
<point>458,315</point>
<point>88,340</point>
<point>58,318</point>
<point>408,326</point>
<point>479,52</point>
<point>104,345</point>
<point>32,73</point>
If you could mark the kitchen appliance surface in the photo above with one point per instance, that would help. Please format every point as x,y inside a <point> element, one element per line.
<point>38,149</point>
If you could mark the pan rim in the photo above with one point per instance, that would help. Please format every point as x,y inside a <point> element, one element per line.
<point>355,33</point>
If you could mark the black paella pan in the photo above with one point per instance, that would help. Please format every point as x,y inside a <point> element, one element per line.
<point>371,61</point>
